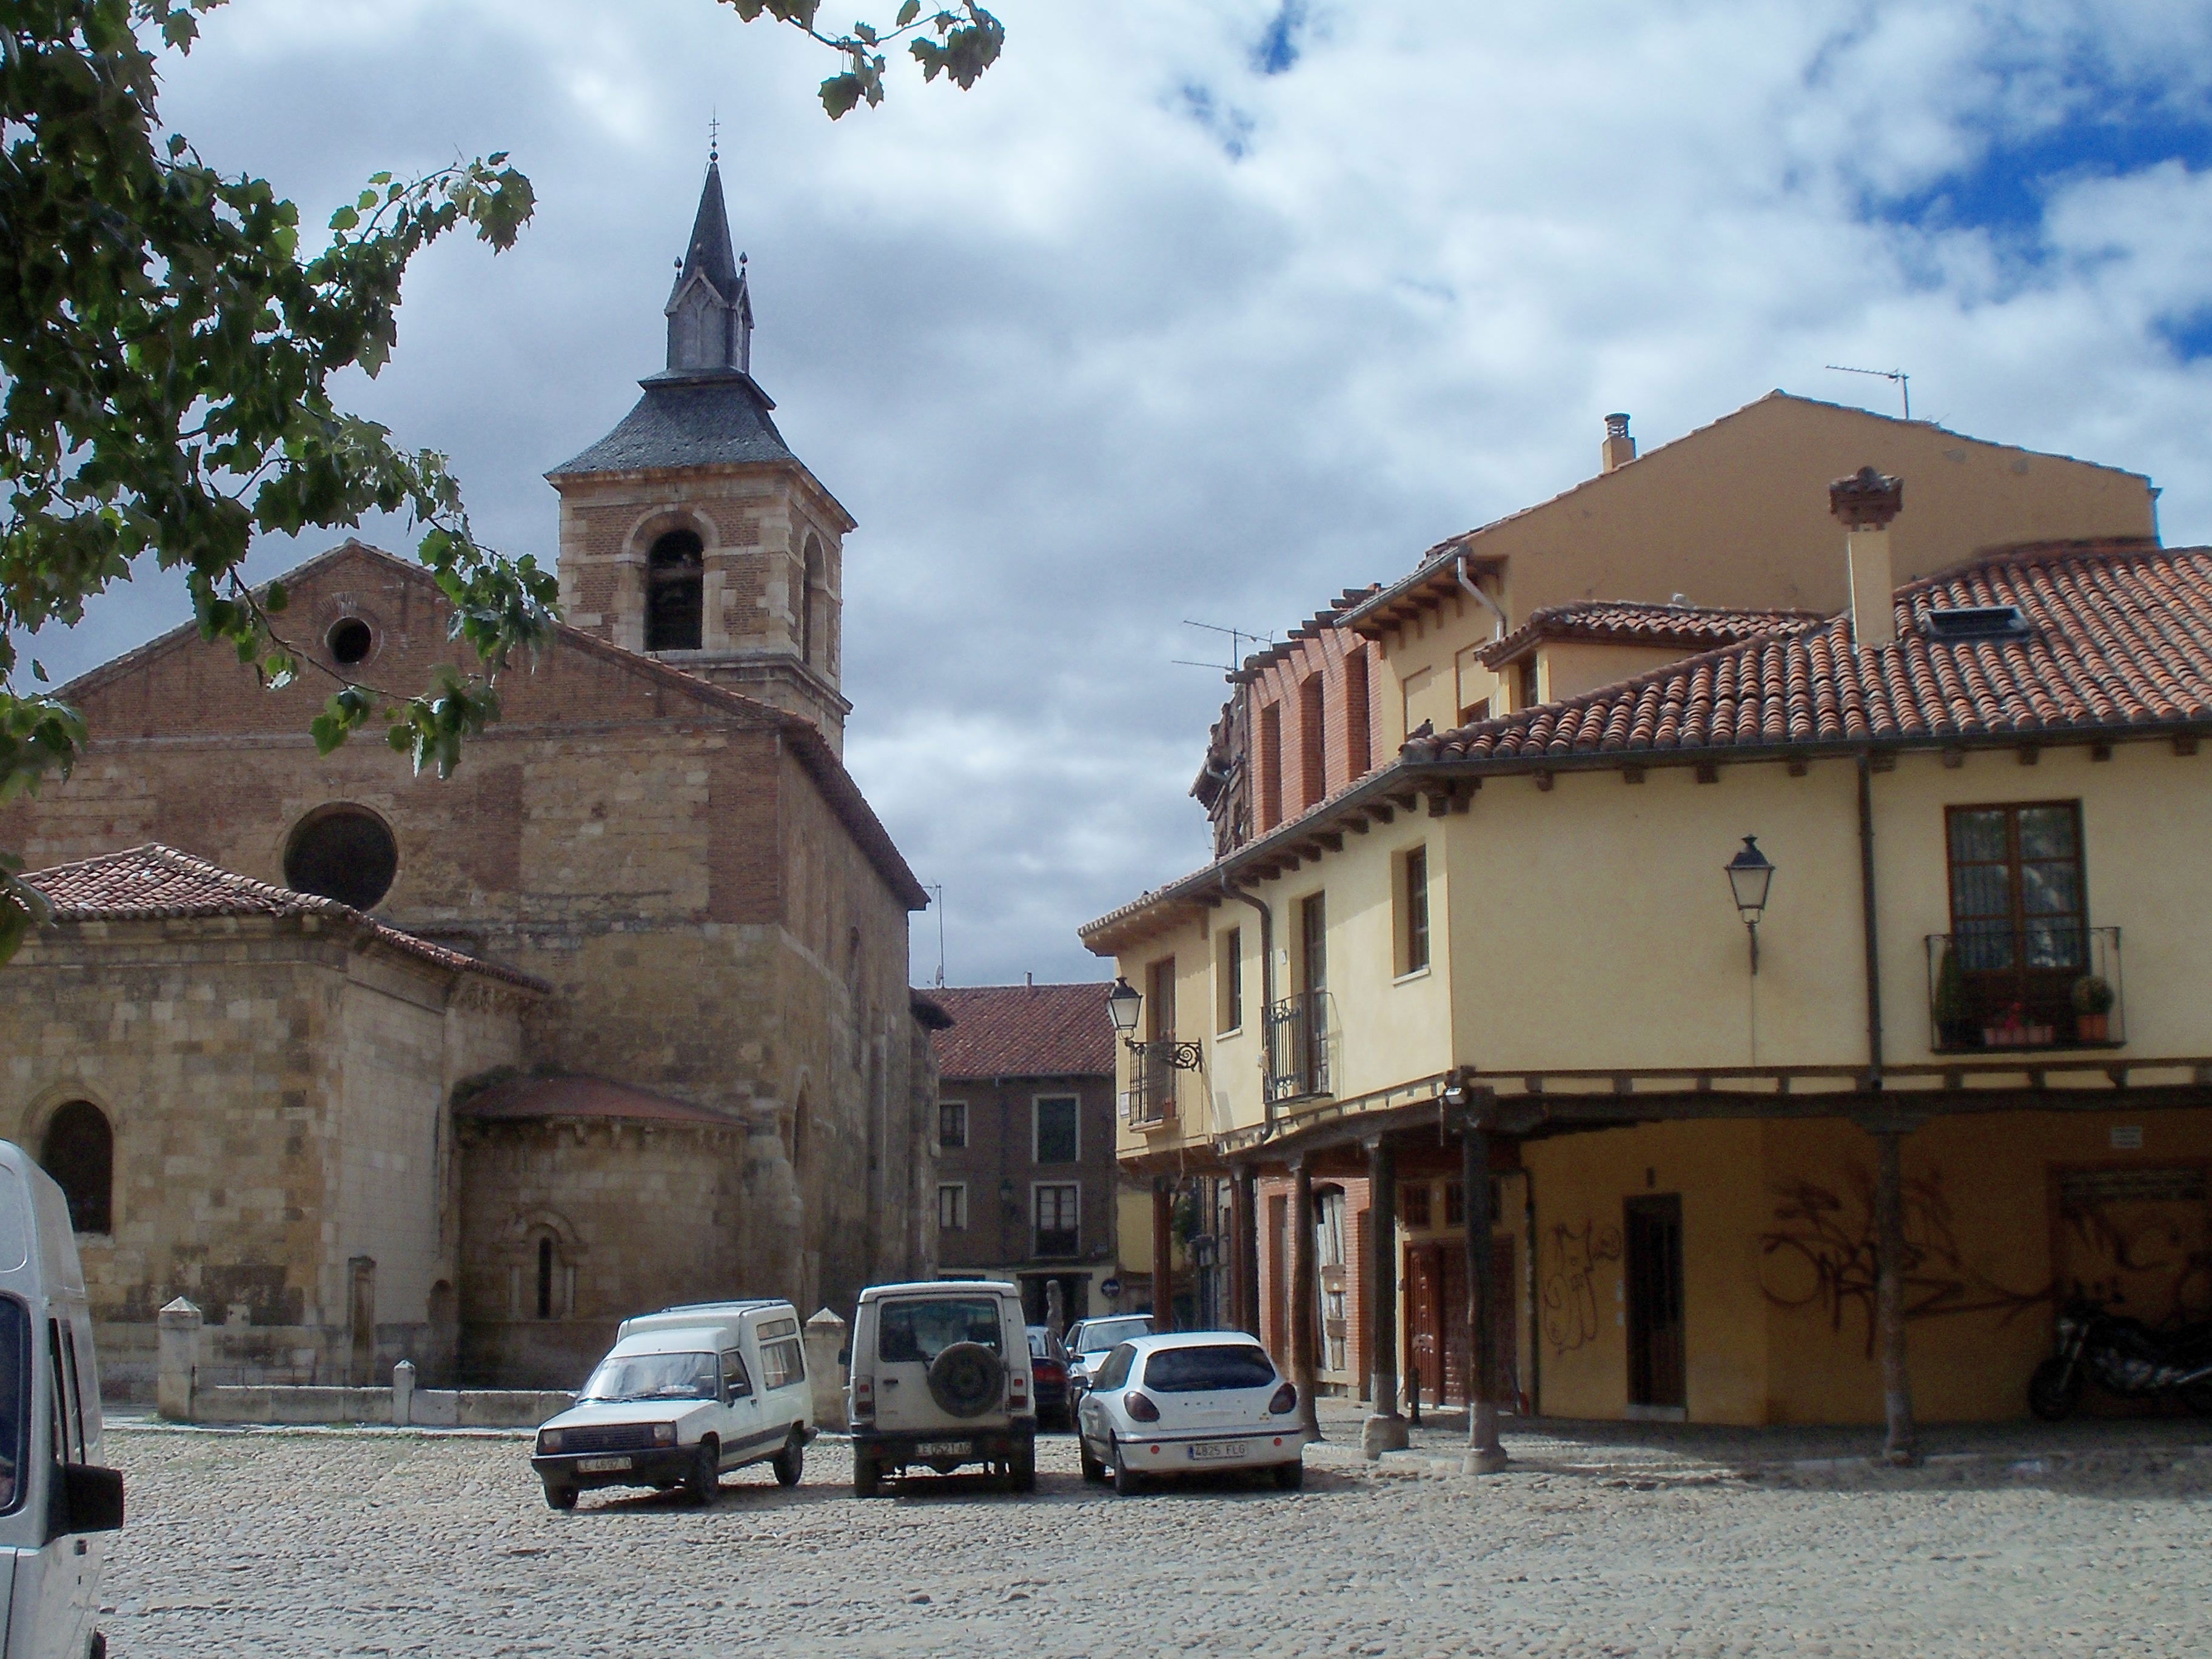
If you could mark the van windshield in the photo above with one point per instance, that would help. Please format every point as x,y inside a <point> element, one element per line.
<point>918,1330</point>
<point>655,1376</point>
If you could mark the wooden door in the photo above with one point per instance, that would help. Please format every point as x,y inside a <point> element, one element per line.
<point>1424,1318</point>
<point>1654,1252</point>
<point>1505,1322</point>
<point>1458,1366</point>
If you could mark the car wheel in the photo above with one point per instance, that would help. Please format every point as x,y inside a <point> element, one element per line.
<point>560,1498</point>
<point>1127,1481</point>
<point>2054,1390</point>
<point>791,1462</point>
<point>868,1474</point>
<point>706,1480</point>
<point>1290,1476</point>
<point>1093,1470</point>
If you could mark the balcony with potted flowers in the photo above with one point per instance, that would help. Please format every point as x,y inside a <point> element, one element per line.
<point>2050,987</point>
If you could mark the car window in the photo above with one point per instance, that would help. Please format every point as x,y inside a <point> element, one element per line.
<point>655,1376</point>
<point>735,1383</point>
<point>1115,1371</point>
<point>1101,1334</point>
<point>1201,1371</point>
<point>783,1362</point>
<point>1043,1344</point>
<point>918,1330</point>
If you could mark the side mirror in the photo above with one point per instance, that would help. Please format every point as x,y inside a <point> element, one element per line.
<point>85,1498</point>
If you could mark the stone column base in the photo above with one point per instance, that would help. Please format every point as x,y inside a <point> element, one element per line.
<point>1384,1431</point>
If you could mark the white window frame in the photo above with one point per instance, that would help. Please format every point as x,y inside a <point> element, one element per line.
<point>1037,1131</point>
<point>959,1190</point>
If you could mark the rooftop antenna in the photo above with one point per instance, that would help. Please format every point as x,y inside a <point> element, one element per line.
<point>1237,636</point>
<point>936,889</point>
<point>1897,377</point>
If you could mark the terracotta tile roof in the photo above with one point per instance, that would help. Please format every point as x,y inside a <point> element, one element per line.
<point>155,883</point>
<point>1026,1031</point>
<point>2116,636</point>
<point>1696,628</point>
<point>526,1098</point>
<point>2117,640</point>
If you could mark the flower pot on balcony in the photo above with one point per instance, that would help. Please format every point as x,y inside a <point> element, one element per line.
<point>2093,1028</point>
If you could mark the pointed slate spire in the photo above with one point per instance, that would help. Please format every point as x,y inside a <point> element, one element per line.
<point>710,309</point>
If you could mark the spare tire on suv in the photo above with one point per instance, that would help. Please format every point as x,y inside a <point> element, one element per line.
<point>966,1379</point>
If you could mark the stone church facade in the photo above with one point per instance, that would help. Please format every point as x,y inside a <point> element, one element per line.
<point>705,1075</point>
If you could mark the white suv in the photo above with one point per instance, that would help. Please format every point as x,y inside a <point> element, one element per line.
<point>941,1379</point>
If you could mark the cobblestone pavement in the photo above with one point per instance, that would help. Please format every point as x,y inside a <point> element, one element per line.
<point>381,1542</point>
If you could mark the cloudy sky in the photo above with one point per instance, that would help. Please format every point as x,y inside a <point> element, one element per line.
<point>1206,311</point>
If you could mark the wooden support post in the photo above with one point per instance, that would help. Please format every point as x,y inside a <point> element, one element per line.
<point>1305,1296</point>
<point>1162,1255</point>
<point>1245,1220</point>
<point>1901,1448</point>
<point>1483,1455</point>
<point>1384,1431</point>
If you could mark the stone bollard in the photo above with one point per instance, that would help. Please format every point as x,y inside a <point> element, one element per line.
<point>825,1365</point>
<point>402,1393</point>
<point>177,1374</point>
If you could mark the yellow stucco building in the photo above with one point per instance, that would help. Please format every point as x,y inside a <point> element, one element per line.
<point>1835,1168</point>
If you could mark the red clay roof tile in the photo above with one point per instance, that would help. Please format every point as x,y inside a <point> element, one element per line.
<point>1024,1030</point>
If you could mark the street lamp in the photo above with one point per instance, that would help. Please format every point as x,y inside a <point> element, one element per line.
<point>1750,875</point>
<point>1123,1002</point>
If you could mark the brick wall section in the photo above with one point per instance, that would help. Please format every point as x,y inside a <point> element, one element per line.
<point>1287,683</point>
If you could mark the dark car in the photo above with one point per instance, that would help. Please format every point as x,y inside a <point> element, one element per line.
<point>1048,1366</point>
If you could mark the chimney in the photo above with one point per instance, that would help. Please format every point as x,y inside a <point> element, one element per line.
<point>1619,447</point>
<point>1866,503</point>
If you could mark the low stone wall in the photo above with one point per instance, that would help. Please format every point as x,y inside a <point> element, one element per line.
<point>181,1397</point>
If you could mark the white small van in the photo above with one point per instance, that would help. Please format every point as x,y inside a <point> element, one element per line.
<point>941,1377</point>
<point>683,1394</point>
<point>57,1502</point>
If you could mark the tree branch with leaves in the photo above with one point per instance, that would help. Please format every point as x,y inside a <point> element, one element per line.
<point>165,354</point>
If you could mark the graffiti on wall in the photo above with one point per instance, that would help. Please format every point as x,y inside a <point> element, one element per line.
<point>1570,1293</point>
<point>1821,1254</point>
<point>2138,1238</point>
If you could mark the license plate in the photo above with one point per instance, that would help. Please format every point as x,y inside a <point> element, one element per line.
<point>943,1448</point>
<point>1206,1450</point>
<point>601,1465</point>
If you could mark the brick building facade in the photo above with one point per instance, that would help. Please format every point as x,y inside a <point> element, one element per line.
<point>658,836</point>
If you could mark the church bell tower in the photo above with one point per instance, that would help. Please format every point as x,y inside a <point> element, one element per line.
<point>690,532</point>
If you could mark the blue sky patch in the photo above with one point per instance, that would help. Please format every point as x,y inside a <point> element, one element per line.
<point>2006,191</point>
<point>1231,129</point>
<point>1278,47</point>
<point>2189,338</point>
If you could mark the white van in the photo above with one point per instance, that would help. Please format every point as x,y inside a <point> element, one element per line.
<point>941,1377</point>
<point>57,1502</point>
<point>683,1394</point>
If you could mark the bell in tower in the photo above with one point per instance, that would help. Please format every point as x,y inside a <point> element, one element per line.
<point>690,531</point>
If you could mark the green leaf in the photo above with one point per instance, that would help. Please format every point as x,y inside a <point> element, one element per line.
<point>344,219</point>
<point>909,12</point>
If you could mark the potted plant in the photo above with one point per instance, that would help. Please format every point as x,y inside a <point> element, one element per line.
<point>2092,1008</point>
<point>1955,1018</point>
<point>2010,1030</point>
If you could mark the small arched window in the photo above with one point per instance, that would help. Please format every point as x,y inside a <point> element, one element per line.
<point>675,596</point>
<point>79,1153</point>
<point>546,1277</point>
<point>812,624</point>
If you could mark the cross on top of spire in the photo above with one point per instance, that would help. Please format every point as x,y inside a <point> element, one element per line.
<point>714,139</point>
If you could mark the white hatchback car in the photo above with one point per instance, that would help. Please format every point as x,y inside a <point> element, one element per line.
<point>1192,1403</point>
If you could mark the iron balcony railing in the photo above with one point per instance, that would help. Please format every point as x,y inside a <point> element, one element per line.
<point>1297,1045</point>
<point>1153,1066</point>
<point>2050,984</point>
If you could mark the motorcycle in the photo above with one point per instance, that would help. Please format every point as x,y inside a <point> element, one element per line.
<point>2123,1356</point>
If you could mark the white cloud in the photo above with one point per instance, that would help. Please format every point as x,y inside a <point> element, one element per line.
<point>1081,373</point>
